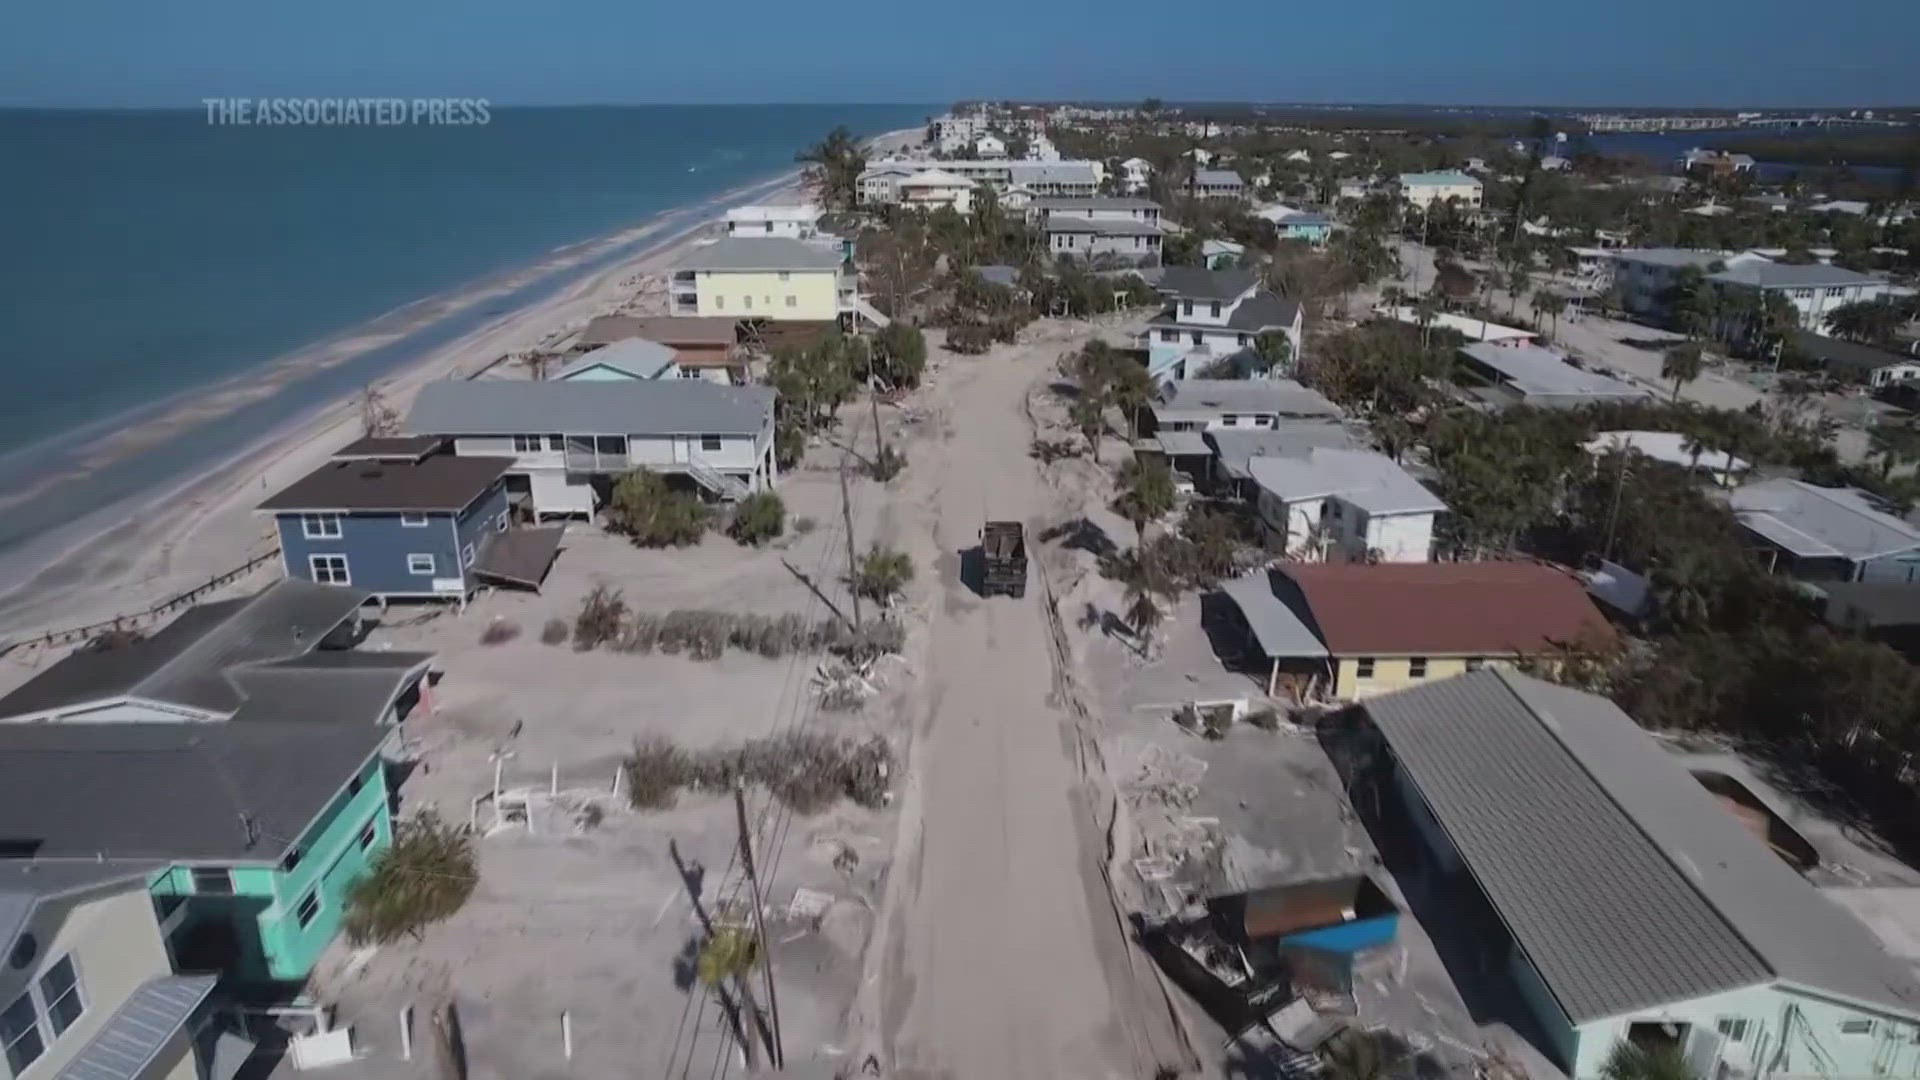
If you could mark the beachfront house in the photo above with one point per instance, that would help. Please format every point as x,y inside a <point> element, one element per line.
<point>708,348</point>
<point>1356,505</point>
<point>799,222</point>
<point>1212,318</point>
<point>1824,534</point>
<point>405,519</point>
<point>632,358</point>
<point>1349,630</point>
<point>879,184</point>
<point>1135,174</point>
<point>1235,404</point>
<point>1422,190</point>
<point>774,278</point>
<point>568,442</point>
<point>89,988</point>
<point>936,189</point>
<point>241,746</point>
<point>1100,228</point>
<point>1217,184</point>
<point>1520,373</point>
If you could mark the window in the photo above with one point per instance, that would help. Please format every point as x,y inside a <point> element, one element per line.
<point>719,303</point>
<point>320,526</point>
<point>212,882</point>
<point>709,442</point>
<point>60,995</point>
<point>291,860</point>
<point>747,302</point>
<point>466,555</point>
<point>500,522</point>
<point>1197,338</point>
<point>1802,294</point>
<point>784,275</point>
<point>792,301</point>
<point>1363,668</point>
<point>413,521</point>
<point>528,444</point>
<point>1837,290</point>
<point>308,910</point>
<point>1856,1027</point>
<point>1186,306</point>
<point>556,442</point>
<point>1213,309</point>
<point>328,570</point>
<point>354,785</point>
<point>1169,335</point>
<point>1475,663</point>
<point>421,564</point>
<point>20,1033</point>
<point>1733,1028</point>
<point>1416,667</point>
<point>1245,340</point>
<point>369,833</point>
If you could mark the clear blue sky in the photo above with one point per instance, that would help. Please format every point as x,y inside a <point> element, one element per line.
<point>1708,52</point>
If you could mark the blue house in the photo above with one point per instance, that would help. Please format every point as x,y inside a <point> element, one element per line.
<point>633,358</point>
<point>1311,227</point>
<point>403,519</point>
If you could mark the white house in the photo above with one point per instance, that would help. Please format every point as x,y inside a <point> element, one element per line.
<point>1218,184</point>
<point>990,145</point>
<point>800,222</point>
<point>1212,317</point>
<point>1134,175</point>
<point>1814,290</point>
<point>1087,227</point>
<point>936,188</point>
<point>1672,448</point>
<point>1644,275</point>
<point>1526,374</point>
<point>1300,156</point>
<point>571,440</point>
<point>1555,163</point>
<point>879,183</point>
<point>1472,329</point>
<point>1356,189</point>
<point>1201,155</point>
<point>1358,503</point>
<point>1423,189</point>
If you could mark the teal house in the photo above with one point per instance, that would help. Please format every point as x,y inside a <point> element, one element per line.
<point>632,358</point>
<point>239,751</point>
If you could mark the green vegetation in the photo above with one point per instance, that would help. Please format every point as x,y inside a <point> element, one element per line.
<point>807,770</point>
<point>424,877</point>
<point>653,514</point>
<point>834,165</point>
<point>882,575</point>
<point>758,518</point>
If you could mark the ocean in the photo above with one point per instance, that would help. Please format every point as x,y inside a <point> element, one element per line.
<point>148,256</point>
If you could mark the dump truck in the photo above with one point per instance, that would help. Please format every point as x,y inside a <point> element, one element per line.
<point>1003,547</point>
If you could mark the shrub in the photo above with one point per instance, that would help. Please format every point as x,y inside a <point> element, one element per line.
<point>554,632</point>
<point>599,620</point>
<point>656,770</point>
<point>808,771</point>
<point>1048,451</point>
<point>499,632</point>
<point>425,876</point>
<point>758,518</point>
<point>969,340</point>
<point>653,514</point>
<point>804,525</point>
<point>883,574</point>
<point>886,464</point>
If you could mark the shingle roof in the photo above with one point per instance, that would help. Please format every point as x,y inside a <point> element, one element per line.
<point>1263,311</point>
<point>651,407</point>
<point>1819,522</point>
<point>1199,283</point>
<point>1447,609</point>
<point>1217,178</point>
<point>223,791</point>
<point>1626,883</point>
<point>1203,398</point>
<point>1371,481</point>
<point>1093,202</point>
<point>760,253</point>
<point>438,482</point>
<point>1542,373</point>
<point>1848,355</point>
<point>187,662</point>
<point>677,330</point>
<point>636,356</point>
<point>143,1025</point>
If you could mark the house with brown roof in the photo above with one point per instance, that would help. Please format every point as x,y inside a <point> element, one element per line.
<point>1350,630</point>
<point>705,348</point>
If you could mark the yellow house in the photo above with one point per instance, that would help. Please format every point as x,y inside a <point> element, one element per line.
<point>1346,631</point>
<point>772,277</point>
<point>87,987</point>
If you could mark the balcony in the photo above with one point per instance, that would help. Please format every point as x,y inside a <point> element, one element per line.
<point>597,454</point>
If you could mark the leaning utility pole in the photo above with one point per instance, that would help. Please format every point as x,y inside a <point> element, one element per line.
<point>846,517</point>
<point>759,925</point>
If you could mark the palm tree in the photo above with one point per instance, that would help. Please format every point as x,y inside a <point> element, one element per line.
<point>837,162</point>
<point>1629,1061</point>
<point>1146,492</point>
<point>1894,443</point>
<point>727,959</point>
<point>1682,364</point>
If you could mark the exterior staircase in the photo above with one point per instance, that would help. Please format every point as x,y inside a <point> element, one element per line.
<point>870,313</point>
<point>727,487</point>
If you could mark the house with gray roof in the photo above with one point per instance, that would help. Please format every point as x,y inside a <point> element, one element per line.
<point>1823,534</point>
<point>1814,289</point>
<point>1357,505</point>
<point>1621,900</point>
<point>1520,373</point>
<point>1212,318</point>
<point>1218,184</point>
<point>88,990</point>
<point>773,278</point>
<point>568,441</point>
<point>1100,228</point>
<point>628,358</point>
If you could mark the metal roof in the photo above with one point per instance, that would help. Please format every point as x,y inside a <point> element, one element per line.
<point>675,330</point>
<point>649,407</point>
<point>760,253</point>
<point>1278,628</point>
<point>635,356</point>
<point>1772,275</point>
<point>187,662</point>
<point>1624,880</point>
<point>1093,202</point>
<point>1543,374</point>
<point>1217,178</point>
<point>1848,355</point>
<point>1820,522</point>
<point>140,1028</point>
<point>1196,399</point>
<point>1371,481</point>
<point>228,792</point>
<point>438,482</point>
<point>1183,443</point>
<point>1101,226</point>
<point>1237,447</point>
<point>388,448</point>
<point>1445,178</point>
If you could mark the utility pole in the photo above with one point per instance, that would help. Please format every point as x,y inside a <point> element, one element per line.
<point>759,925</point>
<point>846,517</point>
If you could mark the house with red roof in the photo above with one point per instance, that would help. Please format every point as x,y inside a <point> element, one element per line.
<point>1350,630</point>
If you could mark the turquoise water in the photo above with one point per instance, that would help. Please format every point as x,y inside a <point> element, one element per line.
<point>145,254</point>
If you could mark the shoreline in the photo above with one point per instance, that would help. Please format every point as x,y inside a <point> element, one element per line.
<point>140,549</point>
<point>196,521</point>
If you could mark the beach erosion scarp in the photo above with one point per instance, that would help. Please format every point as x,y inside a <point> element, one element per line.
<point>109,519</point>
